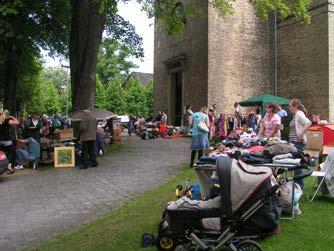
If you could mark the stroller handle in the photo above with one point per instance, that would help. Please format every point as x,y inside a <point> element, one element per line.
<point>295,178</point>
<point>299,177</point>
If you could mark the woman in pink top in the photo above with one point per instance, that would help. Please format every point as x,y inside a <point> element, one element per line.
<point>270,125</point>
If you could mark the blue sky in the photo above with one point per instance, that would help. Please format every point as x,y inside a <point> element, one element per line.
<point>144,27</point>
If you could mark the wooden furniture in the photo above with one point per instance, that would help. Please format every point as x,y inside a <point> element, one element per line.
<point>63,134</point>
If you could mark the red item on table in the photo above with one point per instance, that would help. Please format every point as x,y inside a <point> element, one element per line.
<point>163,128</point>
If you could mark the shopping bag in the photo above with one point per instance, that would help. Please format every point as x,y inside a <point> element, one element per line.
<point>203,126</point>
<point>285,197</point>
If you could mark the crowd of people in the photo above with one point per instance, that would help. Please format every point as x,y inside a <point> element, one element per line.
<point>205,123</point>
<point>20,139</point>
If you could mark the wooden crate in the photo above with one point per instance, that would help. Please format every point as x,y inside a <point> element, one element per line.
<point>61,134</point>
<point>117,136</point>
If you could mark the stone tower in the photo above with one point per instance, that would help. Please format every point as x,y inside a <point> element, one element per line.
<point>224,60</point>
<point>306,59</point>
<point>215,61</point>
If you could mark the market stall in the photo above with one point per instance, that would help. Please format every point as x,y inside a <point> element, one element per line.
<point>263,100</point>
<point>279,155</point>
<point>103,116</point>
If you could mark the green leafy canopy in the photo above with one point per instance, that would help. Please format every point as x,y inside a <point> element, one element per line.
<point>169,15</point>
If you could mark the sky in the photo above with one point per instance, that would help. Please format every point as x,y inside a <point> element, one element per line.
<point>144,27</point>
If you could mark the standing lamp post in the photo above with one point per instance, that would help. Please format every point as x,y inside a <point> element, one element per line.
<point>66,86</point>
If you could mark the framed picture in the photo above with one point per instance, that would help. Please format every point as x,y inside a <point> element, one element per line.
<point>64,157</point>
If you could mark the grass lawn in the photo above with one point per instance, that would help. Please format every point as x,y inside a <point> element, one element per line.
<point>122,228</point>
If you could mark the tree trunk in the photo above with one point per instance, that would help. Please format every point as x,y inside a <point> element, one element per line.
<point>10,78</point>
<point>87,26</point>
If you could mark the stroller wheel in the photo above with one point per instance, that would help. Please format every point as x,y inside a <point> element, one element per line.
<point>166,242</point>
<point>147,240</point>
<point>249,245</point>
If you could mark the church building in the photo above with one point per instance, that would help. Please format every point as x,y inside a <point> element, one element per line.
<point>226,60</point>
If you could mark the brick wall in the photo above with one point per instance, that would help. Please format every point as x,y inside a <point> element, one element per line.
<point>240,61</point>
<point>193,44</point>
<point>231,59</point>
<point>303,60</point>
<point>331,62</point>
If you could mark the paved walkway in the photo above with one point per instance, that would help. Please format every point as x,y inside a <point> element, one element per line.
<point>44,204</point>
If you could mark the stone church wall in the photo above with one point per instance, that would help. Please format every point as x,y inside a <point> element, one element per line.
<point>303,60</point>
<point>240,61</point>
<point>192,44</point>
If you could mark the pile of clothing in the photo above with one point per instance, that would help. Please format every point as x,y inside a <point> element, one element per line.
<point>261,152</point>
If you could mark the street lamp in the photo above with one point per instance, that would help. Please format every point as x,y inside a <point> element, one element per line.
<point>66,87</point>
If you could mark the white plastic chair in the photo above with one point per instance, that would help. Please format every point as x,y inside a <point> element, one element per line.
<point>319,175</point>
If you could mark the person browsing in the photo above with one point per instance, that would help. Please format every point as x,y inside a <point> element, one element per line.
<point>271,123</point>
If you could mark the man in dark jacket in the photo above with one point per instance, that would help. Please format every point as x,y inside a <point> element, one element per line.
<point>88,128</point>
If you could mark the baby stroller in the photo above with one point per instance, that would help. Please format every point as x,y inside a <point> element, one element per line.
<point>247,209</point>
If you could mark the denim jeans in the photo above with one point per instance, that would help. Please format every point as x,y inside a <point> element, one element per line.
<point>300,146</point>
<point>22,155</point>
<point>100,144</point>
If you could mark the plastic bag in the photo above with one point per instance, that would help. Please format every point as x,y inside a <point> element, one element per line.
<point>203,126</point>
<point>285,197</point>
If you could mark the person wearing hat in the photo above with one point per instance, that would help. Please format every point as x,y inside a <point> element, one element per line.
<point>88,130</point>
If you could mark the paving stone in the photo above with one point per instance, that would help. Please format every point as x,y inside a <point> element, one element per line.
<point>40,205</point>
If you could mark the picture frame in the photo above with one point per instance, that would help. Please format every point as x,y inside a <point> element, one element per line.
<point>64,156</point>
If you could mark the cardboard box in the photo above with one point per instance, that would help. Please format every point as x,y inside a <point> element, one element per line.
<point>327,149</point>
<point>313,153</point>
<point>64,134</point>
<point>314,140</point>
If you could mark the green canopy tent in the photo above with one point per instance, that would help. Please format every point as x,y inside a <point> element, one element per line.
<point>264,99</point>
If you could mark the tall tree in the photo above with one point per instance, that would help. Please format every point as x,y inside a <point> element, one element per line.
<point>114,61</point>
<point>25,27</point>
<point>89,20</point>
<point>90,17</point>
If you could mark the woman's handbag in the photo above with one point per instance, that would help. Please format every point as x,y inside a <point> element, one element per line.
<point>203,126</point>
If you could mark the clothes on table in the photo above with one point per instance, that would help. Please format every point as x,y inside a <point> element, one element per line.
<point>256,148</point>
<point>286,159</point>
<point>204,160</point>
<point>252,159</point>
<point>280,148</point>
